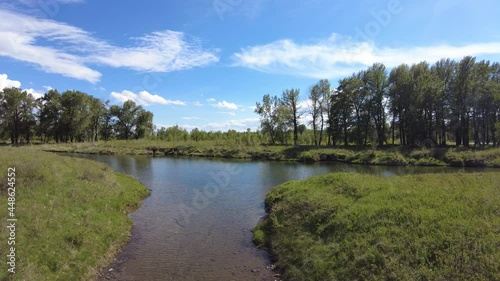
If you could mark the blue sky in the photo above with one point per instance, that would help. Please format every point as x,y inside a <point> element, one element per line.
<point>204,63</point>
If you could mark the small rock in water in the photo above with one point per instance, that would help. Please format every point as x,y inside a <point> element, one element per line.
<point>270,267</point>
<point>255,270</point>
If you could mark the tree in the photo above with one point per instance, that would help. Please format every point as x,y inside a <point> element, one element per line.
<point>362,108</point>
<point>461,100</point>
<point>267,111</point>
<point>126,118</point>
<point>400,89</point>
<point>290,99</point>
<point>144,124</point>
<point>341,109</point>
<point>376,84</point>
<point>97,114</point>
<point>108,123</point>
<point>16,111</point>
<point>50,116</point>
<point>316,106</point>
<point>444,71</point>
<point>74,115</point>
<point>319,94</point>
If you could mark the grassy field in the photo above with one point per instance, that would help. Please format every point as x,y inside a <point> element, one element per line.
<point>71,214</point>
<point>363,227</point>
<point>390,155</point>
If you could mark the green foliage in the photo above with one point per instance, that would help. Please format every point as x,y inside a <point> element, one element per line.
<point>131,121</point>
<point>275,118</point>
<point>362,227</point>
<point>319,94</point>
<point>72,116</point>
<point>70,223</point>
<point>16,114</point>
<point>427,105</point>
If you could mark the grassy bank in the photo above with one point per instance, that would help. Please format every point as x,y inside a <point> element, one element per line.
<point>71,214</point>
<point>363,227</point>
<point>391,155</point>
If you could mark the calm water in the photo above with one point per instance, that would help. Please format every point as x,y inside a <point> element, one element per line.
<point>196,225</point>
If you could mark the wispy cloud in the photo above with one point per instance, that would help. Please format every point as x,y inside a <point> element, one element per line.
<point>190,118</point>
<point>339,56</point>
<point>72,50</point>
<point>144,98</point>
<point>37,3</point>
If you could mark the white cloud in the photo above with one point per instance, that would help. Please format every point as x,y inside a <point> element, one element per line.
<point>225,105</point>
<point>190,118</point>
<point>339,56</point>
<point>222,104</point>
<point>304,104</point>
<point>36,94</point>
<point>48,88</point>
<point>237,124</point>
<point>144,98</point>
<point>227,112</point>
<point>197,103</point>
<point>5,82</point>
<point>72,49</point>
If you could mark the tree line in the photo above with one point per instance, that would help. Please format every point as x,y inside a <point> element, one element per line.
<point>450,100</point>
<point>71,116</point>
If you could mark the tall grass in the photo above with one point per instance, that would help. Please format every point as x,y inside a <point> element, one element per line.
<point>71,214</point>
<point>363,227</point>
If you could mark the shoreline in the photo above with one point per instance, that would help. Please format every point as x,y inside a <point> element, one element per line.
<point>387,156</point>
<point>81,213</point>
<point>360,225</point>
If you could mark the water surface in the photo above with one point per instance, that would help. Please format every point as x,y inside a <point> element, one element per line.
<point>196,225</point>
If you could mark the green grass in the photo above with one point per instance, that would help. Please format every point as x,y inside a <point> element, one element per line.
<point>364,227</point>
<point>71,214</point>
<point>391,155</point>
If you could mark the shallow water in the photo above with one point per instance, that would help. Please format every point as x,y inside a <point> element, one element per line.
<point>196,225</point>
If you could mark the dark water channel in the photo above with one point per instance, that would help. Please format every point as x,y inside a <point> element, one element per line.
<point>196,225</point>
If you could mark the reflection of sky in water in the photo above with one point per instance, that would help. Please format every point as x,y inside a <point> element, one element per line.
<point>215,242</point>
